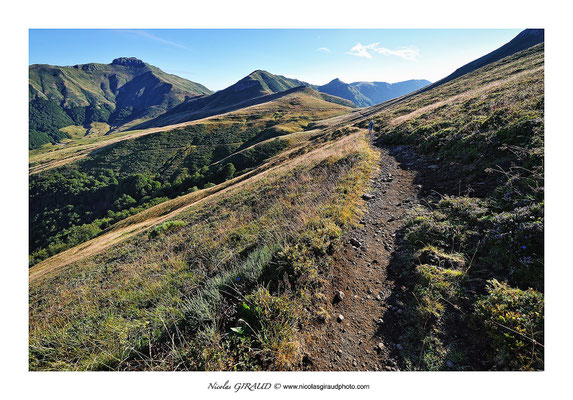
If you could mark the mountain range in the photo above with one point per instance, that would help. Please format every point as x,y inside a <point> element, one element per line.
<point>365,94</point>
<point>70,101</point>
<point>94,99</point>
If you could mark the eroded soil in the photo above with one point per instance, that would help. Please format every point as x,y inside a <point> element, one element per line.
<point>362,330</point>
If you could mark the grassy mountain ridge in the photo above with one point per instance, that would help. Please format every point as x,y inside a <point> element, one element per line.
<point>257,87</point>
<point>274,83</point>
<point>472,253</point>
<point>524,40</point>
<point>119,93</point>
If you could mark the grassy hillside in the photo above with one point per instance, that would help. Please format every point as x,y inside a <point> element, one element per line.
<point>526,39</point>
<point>76,202</point>
<point>193,293</point>
<point>473,255</point>
<point>274,83</point>
<point>209,246</point>
<point>256,88</point>
<point>119,93</point>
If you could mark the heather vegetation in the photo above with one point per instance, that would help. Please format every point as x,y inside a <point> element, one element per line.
<point>475,249</point>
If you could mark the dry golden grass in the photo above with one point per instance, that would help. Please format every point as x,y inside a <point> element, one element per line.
<point>465,95</point>
<point>158,214</point>
<point>93,312</point>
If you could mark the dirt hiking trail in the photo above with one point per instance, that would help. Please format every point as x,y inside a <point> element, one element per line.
<point>359,284</point>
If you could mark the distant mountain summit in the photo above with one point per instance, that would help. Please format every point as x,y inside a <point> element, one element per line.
<point>378,92</point>
<point>257,87</point>
<point>119,94</point>
<point>365,94</point>
<point>338,88</point>
<point>128,62</point>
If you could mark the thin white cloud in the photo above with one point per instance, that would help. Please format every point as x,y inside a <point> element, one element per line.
<point>323,50</point>
<point>407,53</point>
<point>153,37</point>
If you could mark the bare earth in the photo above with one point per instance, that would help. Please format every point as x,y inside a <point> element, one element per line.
<point>361,340</point>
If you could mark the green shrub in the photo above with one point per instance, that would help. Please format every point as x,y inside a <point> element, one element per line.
<point>513,320</point>
<point>167,226</point>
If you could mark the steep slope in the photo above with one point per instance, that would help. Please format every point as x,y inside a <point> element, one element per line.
<point>72,203</point>
<point>446,271</point>
<point>253,89</point>
<point>120,93</point>
<point>524,40</point>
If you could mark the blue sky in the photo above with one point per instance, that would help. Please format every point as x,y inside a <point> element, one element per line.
<point>218,58</point>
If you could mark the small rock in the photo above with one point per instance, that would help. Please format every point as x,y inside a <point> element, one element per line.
<point>355,242</point>
<point>339,296</point>
<point>380,347</point>
<point>340,318</point>
<point>367,196</point>
<point>378,297</point>
<point>369,291</point>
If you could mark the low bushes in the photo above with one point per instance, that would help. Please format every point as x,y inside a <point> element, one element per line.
<point>167,226</point>
<point>513,319</point>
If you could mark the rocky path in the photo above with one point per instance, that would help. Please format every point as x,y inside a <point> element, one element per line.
<point>359,286</point>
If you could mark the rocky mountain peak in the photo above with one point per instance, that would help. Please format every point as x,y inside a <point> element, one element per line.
<point>128,62</point>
